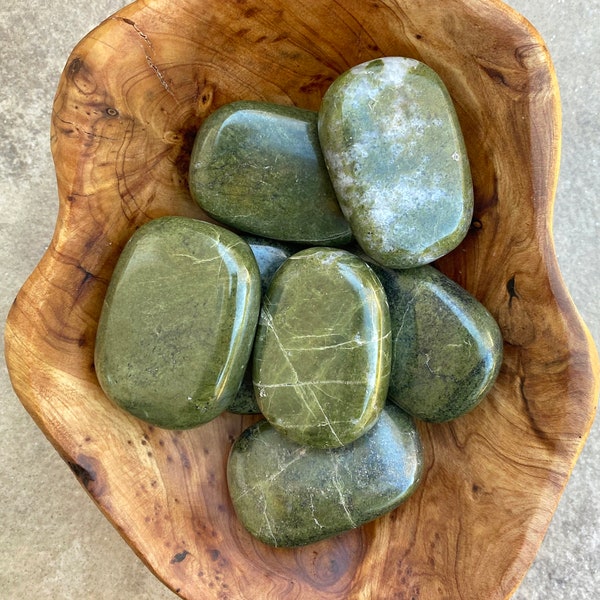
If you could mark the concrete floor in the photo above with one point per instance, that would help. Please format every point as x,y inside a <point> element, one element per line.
<point>54,543</point>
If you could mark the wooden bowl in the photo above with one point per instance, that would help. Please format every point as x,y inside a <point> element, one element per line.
<point>131,97</point>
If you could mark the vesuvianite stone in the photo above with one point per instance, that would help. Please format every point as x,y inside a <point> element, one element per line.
<point>396,156</point>
<point>259,167</point>
<point>178,322</point>
<point>287,494</point>
<point>446,346</point>
<point>322,349</point>
<point>270,255</point>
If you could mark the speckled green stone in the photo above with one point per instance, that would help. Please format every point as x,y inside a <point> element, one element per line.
<point>446,346</point>
<point>258,167</point>
<point>178,322</point>
<point>396,156</point>
<point>322,349</point>
<point>270,255</point>
<point>286,494</point>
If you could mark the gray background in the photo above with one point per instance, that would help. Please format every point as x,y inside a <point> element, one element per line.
<point>54,543</point>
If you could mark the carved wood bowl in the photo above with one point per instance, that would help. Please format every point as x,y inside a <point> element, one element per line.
<point>131,97</point>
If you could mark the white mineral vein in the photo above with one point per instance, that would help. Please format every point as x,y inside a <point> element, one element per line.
<point>305,391</point>
<point>198,261</point>
<point>267,520</point>
<point>312,510</point>
<point>336,484</point>
<point>298,454</point>
<point>268,320</point>
<point>315,383</point>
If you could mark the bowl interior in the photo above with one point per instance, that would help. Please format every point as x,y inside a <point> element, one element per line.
<point>133,93</point>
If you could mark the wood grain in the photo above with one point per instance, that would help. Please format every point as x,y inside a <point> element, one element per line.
<point>131,97</point>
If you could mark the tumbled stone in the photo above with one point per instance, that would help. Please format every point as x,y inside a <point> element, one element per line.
<point>286,494</point>
<point>178,322</point>
<point>446,346</point>
<point>322,348</point>
<point>396,156</point>
<point>258,167</point>
<point>270,255</point>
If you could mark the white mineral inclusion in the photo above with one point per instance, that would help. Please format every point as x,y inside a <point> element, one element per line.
<point>396,157</point>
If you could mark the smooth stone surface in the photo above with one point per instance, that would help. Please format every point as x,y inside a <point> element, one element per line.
<point>395,152</point>
<point>286,494</point>
<point>446,346</point>
<point>178,322</point>
<point>322,350</point>
<point>270,255</point>
<point>259,167</point>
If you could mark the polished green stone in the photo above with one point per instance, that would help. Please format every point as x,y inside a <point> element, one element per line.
<point>322,349</point>
<point>396,156</point>
<point>258,167</point>
<point>287,494</point>
<point>270,255</point>
<point>178,322</point>
<point>446,346</point>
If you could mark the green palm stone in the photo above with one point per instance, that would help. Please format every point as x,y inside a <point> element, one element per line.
<point>322,348</point>
<point>178,322</point>
<point>396,157</point>
<point>287,494</point>
<point>258,167</point>
<point>446,346</point>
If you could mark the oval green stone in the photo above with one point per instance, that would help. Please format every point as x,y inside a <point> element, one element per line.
<point>270,255</point>
<point>287,494</point>
<point>322,349</point>
<point>446,346</point>
<point>258,167</point>
<point>396,156</point>
<point>178,322</point>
